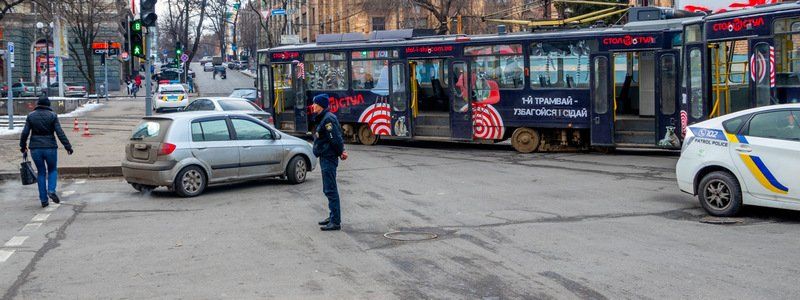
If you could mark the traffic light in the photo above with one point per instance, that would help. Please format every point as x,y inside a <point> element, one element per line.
<point>148,13</point>
<point>137,42</point>
<point>178,49</point>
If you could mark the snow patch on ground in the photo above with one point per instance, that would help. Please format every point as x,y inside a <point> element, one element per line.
<point>5,131</point>
<point>248,73</point>
<point>81,110</point>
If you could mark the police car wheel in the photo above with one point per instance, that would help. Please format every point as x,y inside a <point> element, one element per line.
<point>297,170</point>
<point>720,194</point>
<point>366,136</point>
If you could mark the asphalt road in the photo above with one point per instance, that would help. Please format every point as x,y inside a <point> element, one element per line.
<point>208,86</point>
<point>509,226</point>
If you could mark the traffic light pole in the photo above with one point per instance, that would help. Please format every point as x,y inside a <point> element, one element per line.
<point>148,98</point>
<point>105,69</point>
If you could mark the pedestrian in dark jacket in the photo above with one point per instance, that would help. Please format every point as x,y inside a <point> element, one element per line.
<point>42,126</point>
<point>329,147</point>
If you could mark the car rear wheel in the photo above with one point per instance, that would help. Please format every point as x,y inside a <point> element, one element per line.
<point>720,194</point>
<point>297,170</point>
<point>190,182</point>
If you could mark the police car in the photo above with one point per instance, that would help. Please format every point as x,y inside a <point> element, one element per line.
<point>170,96</point>
<point>751,157</point>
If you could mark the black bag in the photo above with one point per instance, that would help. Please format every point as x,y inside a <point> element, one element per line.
<point>26,172</point>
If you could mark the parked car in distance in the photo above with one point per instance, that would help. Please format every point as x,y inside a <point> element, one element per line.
<point>750,157</point>
<point>187,152</point>
<point>208,67</point>
<point>170,96</point>
<point>243,65</point>
<point>70,90</point>
<point>205,59</point>
<point>229,104</point>
<point>26,89</point>
<point>246,93</point>
<point>233,65</point>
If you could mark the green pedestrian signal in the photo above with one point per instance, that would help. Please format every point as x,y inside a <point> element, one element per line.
<point>137,50</point>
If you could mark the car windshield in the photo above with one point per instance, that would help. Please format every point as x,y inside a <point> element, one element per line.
<point>170,75</point>
<point>244,93</point>
<point>238,105</point>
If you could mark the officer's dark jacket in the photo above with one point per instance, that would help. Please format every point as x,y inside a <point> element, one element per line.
<point>40,125</point>
<point>328,140</point>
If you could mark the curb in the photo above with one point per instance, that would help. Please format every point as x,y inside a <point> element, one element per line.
<point>74,172</point>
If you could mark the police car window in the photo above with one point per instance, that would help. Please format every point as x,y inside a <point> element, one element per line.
<point>733,125</point>
<point>248,130</point>
<point>775,125</point>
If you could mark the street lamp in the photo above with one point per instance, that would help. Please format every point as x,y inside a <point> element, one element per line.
<point>46,30</point>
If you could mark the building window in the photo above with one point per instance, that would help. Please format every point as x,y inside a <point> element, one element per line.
<point>378,23</point>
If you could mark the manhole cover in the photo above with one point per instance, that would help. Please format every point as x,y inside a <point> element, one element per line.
<point>720,221</point>
<point>408,236</point>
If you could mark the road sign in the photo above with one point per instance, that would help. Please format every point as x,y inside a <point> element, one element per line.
<point>124,56</point>
<point>112,51</point>
<point>11,47</point>
<point>233,47</point>
<point>278,12</point>
<point>184,57</point>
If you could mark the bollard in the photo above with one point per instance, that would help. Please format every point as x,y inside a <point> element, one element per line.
<point>75,126</point>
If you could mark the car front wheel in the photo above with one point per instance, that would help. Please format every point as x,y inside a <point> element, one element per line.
<point>297,170</point>
<point>720,194</point>
<point>190,182</point>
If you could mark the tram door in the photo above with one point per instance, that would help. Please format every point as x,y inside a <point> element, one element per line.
<point>460,104</point>
<point>602,102</point>
<point>300,113</point>
<point>398,97</point>
<point>265,98</point>
<point>666,95</point>
<point>283,96</point>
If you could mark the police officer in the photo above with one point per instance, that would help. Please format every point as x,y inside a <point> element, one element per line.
<point>329,147</point>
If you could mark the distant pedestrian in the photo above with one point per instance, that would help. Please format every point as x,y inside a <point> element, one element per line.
<point>190,82</point>
<point>42,126</point>
<point>329,147</point>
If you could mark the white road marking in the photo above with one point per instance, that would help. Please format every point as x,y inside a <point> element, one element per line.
<point>31,227</point>
<point>52,207</point>
<point>16,241</point>
<point>67,193</point>
<point>80,181</point>
<point>5,254</point>
<point>40,217</point>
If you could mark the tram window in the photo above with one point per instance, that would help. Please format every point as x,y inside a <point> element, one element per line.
<point>600,85</point>
<point>370,75</point>
<point>693,34</point>
<point>282,83</point>
<point>730,74</point>
<point>501,64</point>
<point>668,78</point>
<point>560,65</point>
<point>265,79</point>
<point>326,71</point>
<point>787,59</point>
<point>696,82</point>
<point>428,70</point>
<point>762,76</point>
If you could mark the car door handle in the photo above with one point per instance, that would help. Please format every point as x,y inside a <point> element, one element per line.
<point>744,149</point>
<point>202,148</point>
<point>246,147</point>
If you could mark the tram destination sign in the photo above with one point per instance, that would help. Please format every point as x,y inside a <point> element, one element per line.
<point>285,56</point>
<point>430,51</point>
<point>737,27</point>
<point>630,41</point>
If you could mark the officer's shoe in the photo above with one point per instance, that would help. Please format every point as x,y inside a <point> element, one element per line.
<point>324,222</point>
<point>54,197</point>
<point>330,227</point>
<point>45,204</point>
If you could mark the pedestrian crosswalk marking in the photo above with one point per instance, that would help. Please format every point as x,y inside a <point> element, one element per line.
<point>5,254</point>
<point>40,217</point>
<point>31,226</point>
<point>16,241</point>
<point>80,181</point>
<point>52,207</point>
<point>67,193</point>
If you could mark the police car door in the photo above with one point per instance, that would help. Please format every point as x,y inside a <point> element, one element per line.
<point>766,153</point>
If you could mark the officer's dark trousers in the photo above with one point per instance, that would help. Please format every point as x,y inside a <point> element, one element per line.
<point>328,164</point>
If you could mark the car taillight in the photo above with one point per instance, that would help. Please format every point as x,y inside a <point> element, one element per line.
<point>167,149</point>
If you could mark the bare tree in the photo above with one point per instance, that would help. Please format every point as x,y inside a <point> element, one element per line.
<point>176,23</point>
<point>6,6</point>
<point>443,11</point>
<point>218,10</point>
<point>85,19</point>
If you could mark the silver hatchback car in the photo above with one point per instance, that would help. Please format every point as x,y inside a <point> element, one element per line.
<point>186,152</point>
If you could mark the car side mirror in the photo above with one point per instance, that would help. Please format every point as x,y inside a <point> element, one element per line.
<point>276,136</point>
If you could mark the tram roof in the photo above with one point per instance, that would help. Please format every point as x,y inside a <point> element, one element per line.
<point>641,26</point>
<point>767,8</point>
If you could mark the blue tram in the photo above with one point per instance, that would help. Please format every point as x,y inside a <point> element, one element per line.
<point>608,87</point>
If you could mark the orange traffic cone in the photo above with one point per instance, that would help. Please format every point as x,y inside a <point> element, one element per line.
<point>86,132</point>
<point>75,126</point>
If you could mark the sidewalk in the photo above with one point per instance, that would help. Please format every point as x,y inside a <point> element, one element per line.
<point>110,126</point>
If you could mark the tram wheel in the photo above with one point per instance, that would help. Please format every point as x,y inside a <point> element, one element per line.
<point>525,140</point>
<point>604,150</point>
<point>366,136</point>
